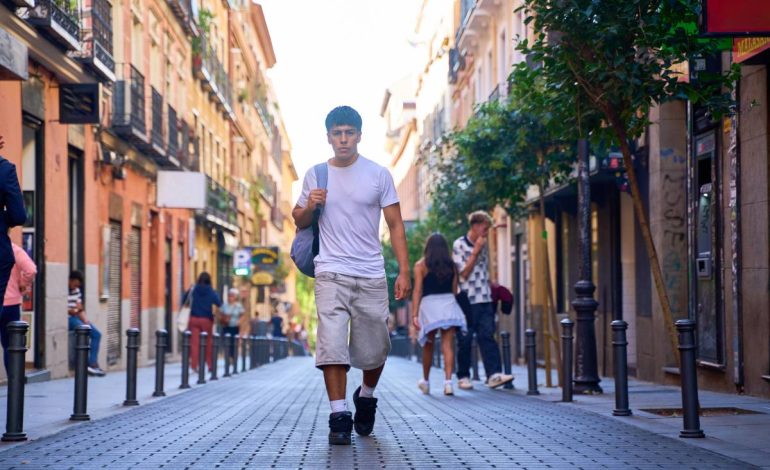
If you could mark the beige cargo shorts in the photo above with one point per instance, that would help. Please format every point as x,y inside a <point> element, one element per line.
<point>352,321</point>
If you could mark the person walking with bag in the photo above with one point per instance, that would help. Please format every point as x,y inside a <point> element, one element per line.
<point>232,310</point>
<point>433,298</point>
<point>471,257</point>
<point>203,300</point>
<point>351,291</point>
<point>22,275</point>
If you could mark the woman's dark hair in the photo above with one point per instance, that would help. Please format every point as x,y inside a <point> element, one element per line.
<point>437,257</point>
<point>204,278</point>
<point>343,116</point>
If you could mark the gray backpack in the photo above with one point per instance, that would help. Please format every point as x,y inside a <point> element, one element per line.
<point>307,241</point>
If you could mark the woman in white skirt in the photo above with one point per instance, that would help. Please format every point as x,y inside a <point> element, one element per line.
<point>435,285</point>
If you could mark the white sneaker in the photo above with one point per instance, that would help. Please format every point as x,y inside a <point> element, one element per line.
<point>499,379</point>
<point>448,390</point>
<point>465,383</point>
<point>424,386</point>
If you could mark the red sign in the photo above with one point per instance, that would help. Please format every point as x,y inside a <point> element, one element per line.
<point>736,17</point>
<point>745,48</point>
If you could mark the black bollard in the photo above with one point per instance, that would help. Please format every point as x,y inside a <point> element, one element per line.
<point>186,359</point>
<point>160,362</point>
<point>566,367</point>
<point>252,352</point>
<point>215,356</point>
<point>690,404</point>
<point>132,349</point>
<point>228,357</point>
<point>236,338</point>
<point>202,358</point>
<point>82,348</point>
<point>505,338</point>
<point>531,347</point>
<point>619,346</point>
<point>475,357</point>
<point>17,348</point>
<point>244,349</point>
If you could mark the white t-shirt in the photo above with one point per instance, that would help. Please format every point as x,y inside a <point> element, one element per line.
<point>350,222</point>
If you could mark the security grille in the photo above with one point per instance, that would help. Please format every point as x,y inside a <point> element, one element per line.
<point>113,303</point>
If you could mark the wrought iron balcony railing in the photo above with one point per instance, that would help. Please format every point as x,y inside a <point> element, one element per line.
<point>58,19</point>
<point>212,73</point>
<point>184,13</point>
<point>267,188</point>
<point>97,39</point>
<point>173,137</point>
<point>157,137</point>
<point>221,204</point>
<point>128,107</point>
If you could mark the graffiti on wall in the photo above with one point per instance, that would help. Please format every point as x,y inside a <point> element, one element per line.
<point>673,249</point>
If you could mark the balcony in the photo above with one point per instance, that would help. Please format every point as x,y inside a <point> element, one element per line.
<point>173,134</point>
<point>184,13</point>
<point>157,141</point>
<point>456,65</point>
<point>97,40</point>
<point>277,217</point>
<point>265,117</point>
<point>221,206</point>
<point>57,19</point>
<point>208,69</point>
<point>128,108</point>
<point>267,188</point>
<point>475,17</point>
<point>495,95</point>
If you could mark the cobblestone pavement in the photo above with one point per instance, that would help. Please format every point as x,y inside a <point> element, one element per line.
<point>276,417</point>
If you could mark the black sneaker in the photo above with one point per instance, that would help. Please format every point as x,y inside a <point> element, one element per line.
<point>365,410</point>
<point>340,426</point>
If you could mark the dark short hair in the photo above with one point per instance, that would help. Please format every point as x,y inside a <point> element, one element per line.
<point>76,276</point>
<point>204,278</point>
<point>343,116</point>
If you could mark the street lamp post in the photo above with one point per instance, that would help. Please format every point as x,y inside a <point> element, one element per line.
<point>586,371</point>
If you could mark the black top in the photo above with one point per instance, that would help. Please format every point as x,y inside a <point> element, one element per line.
<point>432,285</point>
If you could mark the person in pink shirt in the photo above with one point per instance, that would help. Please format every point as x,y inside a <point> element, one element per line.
<point>22,275</point>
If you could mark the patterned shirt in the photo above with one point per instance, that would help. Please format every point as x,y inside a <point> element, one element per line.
<point>476,285</point>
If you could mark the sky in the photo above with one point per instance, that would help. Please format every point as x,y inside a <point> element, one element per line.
<point>335,52</point>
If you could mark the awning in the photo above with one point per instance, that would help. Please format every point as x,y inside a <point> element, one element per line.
<point>228,242</point>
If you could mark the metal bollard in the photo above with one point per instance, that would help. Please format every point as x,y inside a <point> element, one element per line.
<point>235,354</point>
<point>202,358</point>
<point>690,404</point>
<point>531,347</point>
<point>82,348</point>
<point>619,345</point>
<point>475,357</point>
<point>160,362</point>
<point>505,338</point>
<point>132,348</point>
<point>215,356</point>
<point>17,348</point>
<point>228,348</point>
<point>186,359</point>
<point>244,349</point>
<point>566,338</point>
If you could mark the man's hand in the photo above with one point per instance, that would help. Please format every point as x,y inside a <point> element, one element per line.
<point>403,286</point>
<point>479,245</point>
<point>416,322</point>
<point>317,197</point>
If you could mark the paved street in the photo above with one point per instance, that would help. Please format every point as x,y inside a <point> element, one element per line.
<point>275,417</point>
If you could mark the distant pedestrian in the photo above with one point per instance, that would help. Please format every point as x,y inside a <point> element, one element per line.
<point>434,308</point>
<point>204,298</point>
<point>77,317</point>
<point>22,275</point>
<point>471,257</point>
<point>13,214</point>
<point>231,313</point>
<point>351,290</point>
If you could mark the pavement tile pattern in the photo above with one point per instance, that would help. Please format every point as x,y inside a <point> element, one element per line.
<point>276,417</point>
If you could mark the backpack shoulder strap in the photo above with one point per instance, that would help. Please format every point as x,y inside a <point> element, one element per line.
<point>321,175</point>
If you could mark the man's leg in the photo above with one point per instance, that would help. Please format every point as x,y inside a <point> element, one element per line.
<point>464,342</point>
<point>208,327</point>
<point>490,352</point>
<point>195,338</point>
<point>336,379</point>
<point>96,339</point>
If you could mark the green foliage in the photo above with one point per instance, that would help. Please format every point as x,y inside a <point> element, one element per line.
<point>204,27</point>
<point>617,58</point>
<point>307,310</point>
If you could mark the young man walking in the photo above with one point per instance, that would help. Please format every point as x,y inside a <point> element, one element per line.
<point>350,286</point>
<point>471,257</point>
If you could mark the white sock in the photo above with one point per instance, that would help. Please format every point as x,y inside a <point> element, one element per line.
<point>338,406</point>
<point>366,391</point>
<point>448,382</point>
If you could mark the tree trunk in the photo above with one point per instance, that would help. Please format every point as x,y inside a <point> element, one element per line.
<point>652,255</point>
<point>551,318</point>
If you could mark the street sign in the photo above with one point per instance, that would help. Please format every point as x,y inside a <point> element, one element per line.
<point>242,262</point>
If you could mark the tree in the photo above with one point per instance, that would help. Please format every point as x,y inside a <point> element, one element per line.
<point>616,59</point>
